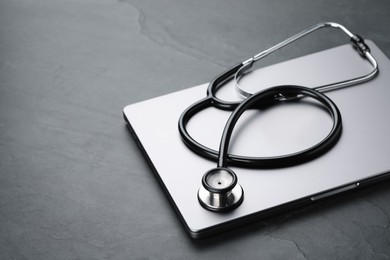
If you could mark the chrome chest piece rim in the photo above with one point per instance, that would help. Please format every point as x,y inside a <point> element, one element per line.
<point>220,190</point>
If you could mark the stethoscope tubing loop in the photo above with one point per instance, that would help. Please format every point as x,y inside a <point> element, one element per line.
<point>267,95</point>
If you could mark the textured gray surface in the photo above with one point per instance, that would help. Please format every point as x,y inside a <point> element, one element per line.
<point>73,183</point>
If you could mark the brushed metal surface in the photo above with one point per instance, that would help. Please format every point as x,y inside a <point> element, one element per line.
<point>361,153</point>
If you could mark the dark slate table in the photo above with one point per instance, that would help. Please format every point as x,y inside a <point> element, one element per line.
<point>73,183</point>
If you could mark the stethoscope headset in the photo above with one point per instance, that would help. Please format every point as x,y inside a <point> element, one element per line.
<point>220,190</point>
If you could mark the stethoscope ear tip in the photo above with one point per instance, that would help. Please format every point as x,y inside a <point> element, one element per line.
<point>220,190</point>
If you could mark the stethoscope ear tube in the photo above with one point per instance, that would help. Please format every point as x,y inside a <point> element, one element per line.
<point>358,43</point>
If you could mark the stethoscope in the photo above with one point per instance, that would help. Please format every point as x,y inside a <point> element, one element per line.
<point>220,190</point>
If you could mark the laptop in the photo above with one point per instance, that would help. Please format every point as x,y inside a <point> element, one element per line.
<point>360,158</point>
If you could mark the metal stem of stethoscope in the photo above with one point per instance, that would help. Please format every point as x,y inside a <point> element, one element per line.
<point>220,190</point>
<point>356,40</point>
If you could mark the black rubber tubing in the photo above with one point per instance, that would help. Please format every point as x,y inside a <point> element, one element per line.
<point>261,98</point>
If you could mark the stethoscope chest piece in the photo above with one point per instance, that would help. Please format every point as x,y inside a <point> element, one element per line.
<point>220,190</point>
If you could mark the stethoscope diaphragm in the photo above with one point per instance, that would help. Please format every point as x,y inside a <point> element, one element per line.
<point>220,190</point>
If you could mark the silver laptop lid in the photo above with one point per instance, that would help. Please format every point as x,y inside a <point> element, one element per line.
<point>361,153</point>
